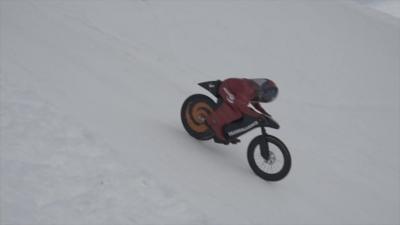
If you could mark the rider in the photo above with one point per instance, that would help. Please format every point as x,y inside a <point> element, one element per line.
<point>237,94</point>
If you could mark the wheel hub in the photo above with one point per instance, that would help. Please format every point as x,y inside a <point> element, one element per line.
<point>272,158</point>
<point>201,119</point>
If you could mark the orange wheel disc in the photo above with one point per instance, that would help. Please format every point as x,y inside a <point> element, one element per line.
<point>196,116</point>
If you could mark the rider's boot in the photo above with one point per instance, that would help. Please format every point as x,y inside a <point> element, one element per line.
<point>220,141</point>
<point>218,134</point>
<point>234,140</point>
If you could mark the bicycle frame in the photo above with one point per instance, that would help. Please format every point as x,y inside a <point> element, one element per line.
<point>261,149</point>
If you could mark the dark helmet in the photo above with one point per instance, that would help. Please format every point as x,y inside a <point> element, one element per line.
<point>267,90</point>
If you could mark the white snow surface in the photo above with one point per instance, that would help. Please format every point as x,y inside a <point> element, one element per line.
<point>90,112</point>
<point>390,7</point>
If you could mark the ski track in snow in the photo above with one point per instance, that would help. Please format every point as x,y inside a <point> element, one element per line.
<point>90,100</point>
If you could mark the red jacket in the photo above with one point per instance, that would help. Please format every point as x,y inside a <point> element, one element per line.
<point>239,93</point>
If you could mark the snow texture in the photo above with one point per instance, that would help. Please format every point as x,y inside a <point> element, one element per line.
<point>91,91</point>
<point>390,7</point>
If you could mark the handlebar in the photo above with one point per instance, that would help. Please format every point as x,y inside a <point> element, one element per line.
<point>269,122</point>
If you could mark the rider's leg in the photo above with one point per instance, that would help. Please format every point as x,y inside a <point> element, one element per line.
<point>221,117</point>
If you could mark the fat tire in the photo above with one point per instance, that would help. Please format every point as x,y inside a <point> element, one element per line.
<point>284,150</point>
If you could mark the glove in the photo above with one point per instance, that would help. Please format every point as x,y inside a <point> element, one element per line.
<point>262,119</point>
<point>267,114</point>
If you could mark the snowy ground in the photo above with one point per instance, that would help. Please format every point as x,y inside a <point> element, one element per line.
<point>90,97</point>
<point>391,7</point>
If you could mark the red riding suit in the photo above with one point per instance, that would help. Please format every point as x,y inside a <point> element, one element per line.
<point>236,94</point>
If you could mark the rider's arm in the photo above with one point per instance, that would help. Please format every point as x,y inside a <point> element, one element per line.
<point>242,104</point>
<point>237,101</point>
<point>259,107</point>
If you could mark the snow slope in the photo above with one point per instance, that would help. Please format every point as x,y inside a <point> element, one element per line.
<point>391,7</point>
<point>91,93</point>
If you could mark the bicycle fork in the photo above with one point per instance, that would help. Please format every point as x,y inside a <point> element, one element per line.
<point>264,147</point>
